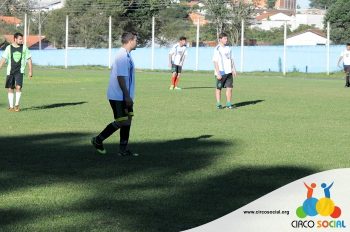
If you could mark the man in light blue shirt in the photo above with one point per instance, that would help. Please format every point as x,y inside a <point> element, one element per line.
<point>120,93</point>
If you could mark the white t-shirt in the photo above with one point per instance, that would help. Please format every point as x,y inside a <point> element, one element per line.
<point>123,65</point>
<point>178,54</point>
<point>346,57</point>
<point>222,55</point>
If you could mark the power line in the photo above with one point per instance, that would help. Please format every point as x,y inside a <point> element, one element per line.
<point>3,4</point>
<point>107,6</point>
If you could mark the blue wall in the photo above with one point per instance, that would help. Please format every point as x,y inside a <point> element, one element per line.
<point>256,58</point>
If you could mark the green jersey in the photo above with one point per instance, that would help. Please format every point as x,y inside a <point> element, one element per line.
<point>16,57</point>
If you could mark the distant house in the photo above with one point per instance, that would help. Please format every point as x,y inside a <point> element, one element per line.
<point>194,17</point>
<point>32,41</point>
<point>11,20</point>
<point>312,17</point>
<point>272,19</point>
<point>47,5</point>
<point>286,4</point>
<point>269,19</point>
<point>309,37</point>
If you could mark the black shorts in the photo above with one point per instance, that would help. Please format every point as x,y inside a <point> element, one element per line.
<point>121,112</point>
<point>225,82</point>
<point>176,68</point>
<point>347,68</point>
<point>13,80</point>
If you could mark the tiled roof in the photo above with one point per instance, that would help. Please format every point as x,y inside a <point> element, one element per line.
<point>195,16</point>
<point>10,20</point>
<point>315,31</point>
<point>31,39</point>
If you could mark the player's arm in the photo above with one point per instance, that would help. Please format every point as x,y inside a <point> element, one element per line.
<point>216,64</point>
<point>128,100</point>
<point>234,72</point>
<point>4,57</point>
<point>2,62</point>
<point>170,59</point>
<point>340,59</point>
<point>183,60</point>
<point>183,57</point>
<point>217,71</point>
<point>30,66</point>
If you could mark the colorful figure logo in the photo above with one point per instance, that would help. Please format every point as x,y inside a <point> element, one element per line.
<point>313,206</point>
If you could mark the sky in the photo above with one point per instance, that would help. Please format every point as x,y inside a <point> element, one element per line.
<point>303,3</point>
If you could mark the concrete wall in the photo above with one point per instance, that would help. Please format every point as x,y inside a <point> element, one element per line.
<point>256,58</point>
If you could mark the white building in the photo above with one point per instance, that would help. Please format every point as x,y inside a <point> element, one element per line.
<point>275,19</point>
<point>312,17</point>
<point>310,37</point>
<point>267,21</point>
<point>47,5</point>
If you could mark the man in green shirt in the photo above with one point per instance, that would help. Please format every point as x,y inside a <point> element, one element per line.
<point>16,56</point>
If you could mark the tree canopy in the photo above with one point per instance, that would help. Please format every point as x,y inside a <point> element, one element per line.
<point>89,21</point>
<point>339,19</point>
<point>227,16</point>
<point>321,4</point>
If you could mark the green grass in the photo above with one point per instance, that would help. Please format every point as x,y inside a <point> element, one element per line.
<point>197,163</point>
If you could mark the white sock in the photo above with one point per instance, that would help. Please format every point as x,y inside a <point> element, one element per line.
<point>10,97</point>
<point>18,96</point>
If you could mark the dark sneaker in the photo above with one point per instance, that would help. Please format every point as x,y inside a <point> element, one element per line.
<point>98,146</point>
<point>230,107</point>
<point>219,107</point>
<point>127,153</point>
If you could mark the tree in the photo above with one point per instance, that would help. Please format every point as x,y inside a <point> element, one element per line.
<point>339,18</point>
<point>271,3</point>
<point>15,7</point>
<point>217,12</point>
<point>321,4</point>
<point>173,22</point>
<point>275,36</point>
<point>88,21</point>
<point>54,27</point>
<point>228,15</point>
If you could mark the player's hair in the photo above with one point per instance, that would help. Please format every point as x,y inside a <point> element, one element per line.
<point>222,35</point>
<point>128,36</point>
<point>348,44</point>
<point>182,38</point>
<point>17,34</point>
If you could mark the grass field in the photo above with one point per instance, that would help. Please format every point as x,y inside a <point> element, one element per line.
<point>197,163</point>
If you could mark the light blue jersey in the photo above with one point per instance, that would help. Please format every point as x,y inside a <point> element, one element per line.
<point>123,65</point>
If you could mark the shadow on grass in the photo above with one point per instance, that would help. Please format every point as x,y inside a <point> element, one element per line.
<point>246,103</point>
<point>51,106</point>
<point>11,216</point>
<point>174,185</point>
<point>204,87</point>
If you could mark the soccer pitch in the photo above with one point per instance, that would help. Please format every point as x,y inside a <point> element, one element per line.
<point>197,163</point>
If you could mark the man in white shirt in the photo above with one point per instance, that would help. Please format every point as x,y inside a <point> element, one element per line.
<point>345,56</point>
<point>177,57</point>
<point>120,94</point>
<point>225,71</point>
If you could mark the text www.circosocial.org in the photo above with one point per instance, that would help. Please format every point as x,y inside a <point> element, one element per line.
<point>272,212</point>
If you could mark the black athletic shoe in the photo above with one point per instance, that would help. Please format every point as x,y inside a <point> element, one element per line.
<point>230,107</point>
<point>219,107</point>
<point>127,153</point>
<point>98,146</point>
